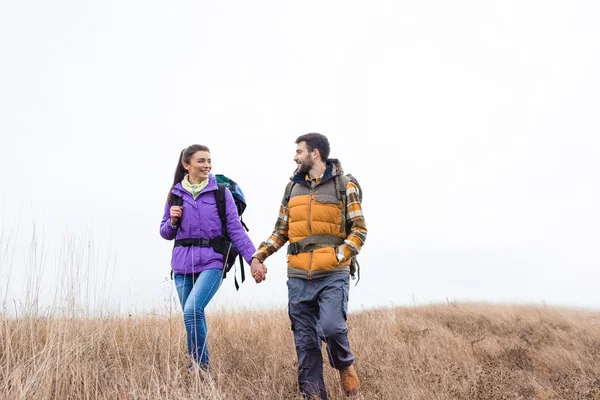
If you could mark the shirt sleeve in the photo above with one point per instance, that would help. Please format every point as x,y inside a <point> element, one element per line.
<point>278,238</point>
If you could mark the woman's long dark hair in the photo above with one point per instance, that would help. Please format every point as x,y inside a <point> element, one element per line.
<point>184,157</point>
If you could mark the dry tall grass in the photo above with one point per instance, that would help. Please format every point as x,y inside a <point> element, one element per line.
<point>469,351</point>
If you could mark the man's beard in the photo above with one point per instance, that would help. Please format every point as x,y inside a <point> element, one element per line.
<point>305,166</point>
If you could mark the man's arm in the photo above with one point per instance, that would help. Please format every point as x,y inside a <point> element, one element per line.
<point>356,221</point>
<point>278,238</point>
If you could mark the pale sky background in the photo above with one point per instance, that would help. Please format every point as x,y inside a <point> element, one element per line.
<point>472,126</point>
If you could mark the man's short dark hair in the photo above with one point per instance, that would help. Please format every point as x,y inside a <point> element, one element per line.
<point>316,141</point>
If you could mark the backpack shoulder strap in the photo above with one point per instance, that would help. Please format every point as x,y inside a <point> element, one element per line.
<point>353,180</point>
<point>340,189</point>
<point>288,193</point>
<point>220,197</point>
<point>341,184</point>
<point>177,200</point>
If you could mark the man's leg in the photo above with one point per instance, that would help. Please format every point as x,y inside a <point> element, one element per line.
<point>333,308</point>
<point>333,304</point>
<point>304,314</point>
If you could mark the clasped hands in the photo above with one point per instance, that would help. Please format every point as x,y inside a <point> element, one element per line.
<point>258,270</point>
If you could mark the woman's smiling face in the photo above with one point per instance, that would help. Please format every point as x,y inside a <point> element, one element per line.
<point>199,166</point>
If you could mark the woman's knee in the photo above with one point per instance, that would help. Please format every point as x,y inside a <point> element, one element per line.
<point>193,313</point>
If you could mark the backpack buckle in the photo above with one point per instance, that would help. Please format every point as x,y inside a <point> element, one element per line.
<point>204,242</point>
<point>293,248</point>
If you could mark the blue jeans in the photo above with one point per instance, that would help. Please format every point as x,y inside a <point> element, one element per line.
<point>195,291</point>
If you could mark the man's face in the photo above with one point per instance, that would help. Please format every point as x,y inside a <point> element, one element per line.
<point>303,158</point>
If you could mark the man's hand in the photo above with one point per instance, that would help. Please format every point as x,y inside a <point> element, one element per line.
<point>259,270</point>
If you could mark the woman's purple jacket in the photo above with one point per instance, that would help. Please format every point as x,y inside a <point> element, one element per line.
<point>200,219</point>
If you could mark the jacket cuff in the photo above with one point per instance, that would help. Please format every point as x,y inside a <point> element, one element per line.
<point>340,255</point>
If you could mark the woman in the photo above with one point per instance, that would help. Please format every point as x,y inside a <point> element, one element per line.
<point>198,270</point>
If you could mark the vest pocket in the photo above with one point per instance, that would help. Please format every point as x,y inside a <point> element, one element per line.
<point>325,258</point>
<point>327,199</point>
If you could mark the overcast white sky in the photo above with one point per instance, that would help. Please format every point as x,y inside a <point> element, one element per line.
<point>472,126</point>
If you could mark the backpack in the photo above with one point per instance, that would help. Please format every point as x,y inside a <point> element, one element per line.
<point>340,187</point>
<point>222,244</point>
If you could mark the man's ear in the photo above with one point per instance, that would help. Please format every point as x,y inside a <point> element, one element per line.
<point>316,153</point>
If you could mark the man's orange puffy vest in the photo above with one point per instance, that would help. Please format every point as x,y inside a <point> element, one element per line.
<point>315,229</point>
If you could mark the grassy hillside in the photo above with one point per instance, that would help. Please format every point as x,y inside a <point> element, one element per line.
<point>470,351</point>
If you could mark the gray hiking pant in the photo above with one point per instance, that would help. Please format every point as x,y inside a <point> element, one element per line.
<point>317,310</point>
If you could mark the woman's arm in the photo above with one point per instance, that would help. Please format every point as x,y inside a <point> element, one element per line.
<point>236,231</point>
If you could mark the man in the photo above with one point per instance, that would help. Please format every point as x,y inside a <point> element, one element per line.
<point>326,229</point>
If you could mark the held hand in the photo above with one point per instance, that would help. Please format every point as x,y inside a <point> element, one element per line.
<point>175,213</point>
<point>261,273</point>
<point>259,270</point>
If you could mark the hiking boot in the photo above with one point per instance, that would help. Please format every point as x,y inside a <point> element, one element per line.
<point>349,381</point>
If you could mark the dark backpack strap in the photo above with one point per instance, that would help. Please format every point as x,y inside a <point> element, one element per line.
<point>244,224</point>
<point>313,242</point>
<point>220,197</point>
<point>242,271</point>
<point>341,182</point>
<point>355,270</point>
<point>288,193</point>
<point>216,243</point>
<point>177,201</point>
<point>235,281</point>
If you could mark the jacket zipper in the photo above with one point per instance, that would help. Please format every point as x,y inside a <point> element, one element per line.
<point>310,199</point>
<point>198,262</point>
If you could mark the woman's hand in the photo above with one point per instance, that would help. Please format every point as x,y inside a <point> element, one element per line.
<point>175,214</point>
<point>259,270</point>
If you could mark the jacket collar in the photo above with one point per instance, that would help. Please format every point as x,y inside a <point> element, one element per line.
<point>332,169</point>
<point>181,192</point>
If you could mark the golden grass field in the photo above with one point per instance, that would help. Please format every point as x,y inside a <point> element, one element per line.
<point>450,351</point>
